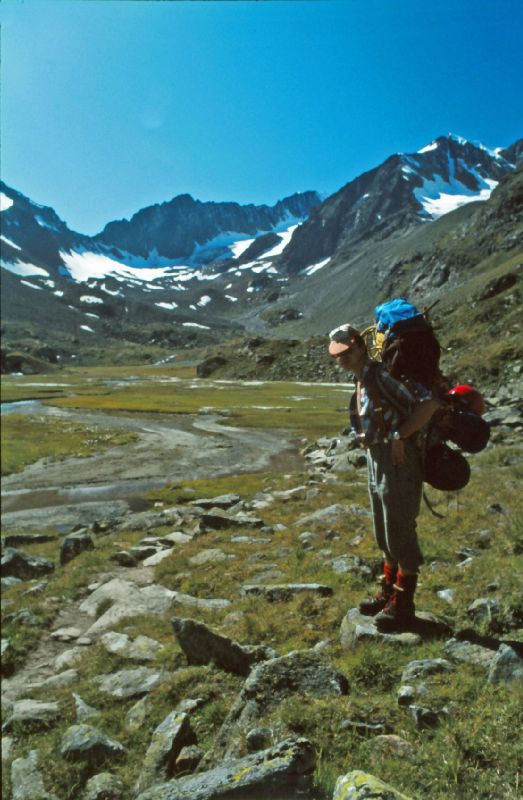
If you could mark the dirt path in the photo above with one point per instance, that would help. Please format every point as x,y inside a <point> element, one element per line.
<point>40,663</point>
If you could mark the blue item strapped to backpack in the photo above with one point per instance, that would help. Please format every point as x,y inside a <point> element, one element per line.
<point>398,315</point>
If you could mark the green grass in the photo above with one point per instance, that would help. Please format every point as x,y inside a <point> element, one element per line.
<point>26,439</point>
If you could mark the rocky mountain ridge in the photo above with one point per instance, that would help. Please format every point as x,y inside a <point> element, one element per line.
<point>388,231</point>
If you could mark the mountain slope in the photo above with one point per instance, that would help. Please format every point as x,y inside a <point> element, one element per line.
<point>388,231</point>
<point>402,193</point>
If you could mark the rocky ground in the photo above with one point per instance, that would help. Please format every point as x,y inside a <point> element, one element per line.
<point>254,753</point>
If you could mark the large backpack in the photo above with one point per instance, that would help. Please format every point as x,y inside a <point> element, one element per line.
<point>404,340</point>
<point>407,342</point>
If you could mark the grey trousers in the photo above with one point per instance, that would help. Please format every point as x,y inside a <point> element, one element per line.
<point>395,496</point>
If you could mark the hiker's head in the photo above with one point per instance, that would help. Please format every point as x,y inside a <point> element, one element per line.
<point>347,346</point>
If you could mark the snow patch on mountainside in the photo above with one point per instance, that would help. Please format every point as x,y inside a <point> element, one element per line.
<point>23,268</point>
<point>310,270</point>
<point>285,238</point>
<point>5,202</point>
<point>439,197</point>
<point>9,242</point>
<point>84,265</point>
<point>239,247</point>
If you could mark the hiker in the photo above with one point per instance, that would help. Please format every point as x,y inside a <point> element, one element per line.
<point>394,472</point>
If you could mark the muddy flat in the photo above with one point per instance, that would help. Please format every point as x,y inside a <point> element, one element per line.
<point>168,448</point>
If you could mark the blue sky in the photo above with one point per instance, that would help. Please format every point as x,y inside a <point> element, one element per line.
<point>109,105</point>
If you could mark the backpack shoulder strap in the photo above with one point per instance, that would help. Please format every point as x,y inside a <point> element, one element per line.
<point>374,391</point>
<point>393,401</point>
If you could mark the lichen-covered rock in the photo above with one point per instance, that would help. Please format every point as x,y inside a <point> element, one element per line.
<point>189,758</point>
<point>104,786</point>
<point>221,501</point>
<point>484,609</point>
<point>128,601</point>
<point>83,710</point>
<point>285,591</point>
<point>26,781</point>
<point>299,673</point>
<point>89,744</point>
<point>427,718</point>
<point>356,627</point>
<point>167,741</point>
<point>469,653</point>
<point>130,682</point>
<point>358,785</point>
<point>507,666</point>
<point>267,773</point>
<point>420,670</point>
<point>202,645</point>
<point>136,715</point>
<point>21,565</point>
<point>73,545</point>
<point>142,648</point>
<point>31,712</point>
<point>389,745</point>
<point>60,681</point>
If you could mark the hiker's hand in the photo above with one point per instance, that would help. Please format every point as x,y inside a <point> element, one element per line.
<point>398,452</point>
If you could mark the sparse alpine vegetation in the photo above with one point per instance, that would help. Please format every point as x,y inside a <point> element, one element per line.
<point>104,694</point>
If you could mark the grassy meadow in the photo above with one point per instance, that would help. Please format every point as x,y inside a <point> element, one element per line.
<point>473,754</point>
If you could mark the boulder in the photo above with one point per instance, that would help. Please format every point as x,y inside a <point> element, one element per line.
<point>130,682</point>
<point>21,565</point>
<point>217,519</point>
<point>88,744</point>
<point>221,501</point>
<point>267,773</point>
<point>424,668</point>
<point>69,657</point>
<point>358,785</point>
<point>141,649</point>
<point>202,645</point>
<point>155,559</point>
<point>285,591</point>
<point>389,746</point>
<point>210,556</point>
<point>60,681</point>
<point>356,627</point>
<point>135,717</point>
<point>207,604</point>
<point>124,558</point>
<point>484,609</point>
<point>300,673</point>
<point>426,718</point>
<point>167,741</point>
<point>83,711</point>
<point>507,666</point>
<point>128,601</point>
<point>469,653</point>
<point>188,759</point>
<point>104,786</point>
<point>26,781</point>
<point>32,712</point>
<point>7,748</point>
<point>73,545</point>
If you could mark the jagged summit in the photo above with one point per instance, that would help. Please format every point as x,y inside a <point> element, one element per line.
<point>179,271</point>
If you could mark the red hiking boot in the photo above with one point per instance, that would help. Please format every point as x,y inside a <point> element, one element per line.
<point>372,605</point>
<point>399,612</point>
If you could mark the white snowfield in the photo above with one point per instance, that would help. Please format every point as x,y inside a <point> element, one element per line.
<point>24,268</point>
<point>439,197</point>
<point>9,242</point>
<point>88,298</point>
<point>5,202</point>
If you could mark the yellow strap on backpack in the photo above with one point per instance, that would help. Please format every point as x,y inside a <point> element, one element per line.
<point>374,341</point>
